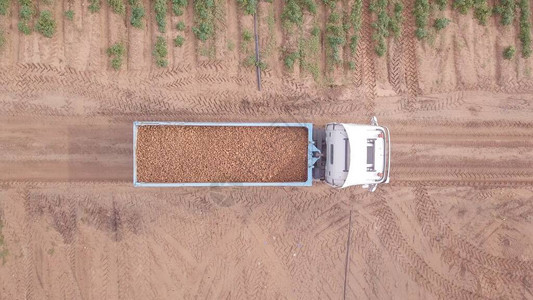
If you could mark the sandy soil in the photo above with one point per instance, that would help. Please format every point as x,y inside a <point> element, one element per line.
<point>454,223</point>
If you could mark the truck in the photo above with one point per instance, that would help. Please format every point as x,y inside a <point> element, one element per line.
<point>193,154</point>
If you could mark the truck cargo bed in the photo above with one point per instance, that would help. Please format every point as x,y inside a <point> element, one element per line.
<point>228,154</point>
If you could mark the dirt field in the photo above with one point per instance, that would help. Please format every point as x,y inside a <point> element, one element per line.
<point>454,223</point>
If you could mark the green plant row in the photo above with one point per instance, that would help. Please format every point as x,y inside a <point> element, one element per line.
<point>26,13</point>
<point>94,6</point>
<point>441,23</point>
<point>384,24</point>
<point>204,19</point>
<point>309,53</point>
<point>421,12</point>
<point>46,25</point>
<point>178,6</point>
<point>293,11</point>
<point>137,13</point>
<point>395,22</point>
<point>482,11</point>
<point>249,6</point>
<point>506,10</point>
<point>463,6</point>
<point>525,28</point>
<point>4,6</point>
<point>160,8</point>
<point>160,52</point>
<point>355,22</point>
<point>116,53</point>
<point>441,4</point>
<point>335,37</point>
<point>117,6</point>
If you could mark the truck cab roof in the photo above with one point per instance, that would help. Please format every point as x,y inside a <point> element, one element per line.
<point>356,155</point>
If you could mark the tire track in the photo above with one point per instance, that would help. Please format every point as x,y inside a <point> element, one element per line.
<point>368,65</point>
<point>396,66</point>
<point>433,226</point>
<point>409,55</point>
<point>456,251</point>
<point>389,233</point>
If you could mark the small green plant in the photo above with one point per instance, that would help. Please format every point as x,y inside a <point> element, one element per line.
<point>330,3</point>
<point>506,10</point>
<point>293,11</point>
<point>482,11</point>
<point>351,65</point>
<point>160,52</point>
<point>3,255</point>
<point>204,31</point>
<point>24,27</point>
<point>249,6</point>
<point>463,6</point>
<point>137,15</point>
<point>525,28</point>
<point>231,45</point>
<point>315,31</point>
<point>441,23</point>
<point>26,12</point>
<point>94,6</point>
<point>46,24</point>
<point>116,53</point>
<point>69,14</point>
<point>246,35</point>
<point>51,251</point>
<point>117,6</point>
<point>290,59</point>
<point>180,26</point>
<point>441,4</point>
<point>178,41</point>
<point>251,61</point>
<point>208,51</point>
<point>4,7</point>
<point>160,8</point>
<point>2,39</point>
<point>508,52</point>
<point>178,6</point>
<point>3,249</point>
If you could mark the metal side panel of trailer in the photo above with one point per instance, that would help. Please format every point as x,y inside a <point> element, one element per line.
<point>310,158</point>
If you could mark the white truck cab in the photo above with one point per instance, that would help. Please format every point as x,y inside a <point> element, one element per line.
<point>354,154</point>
